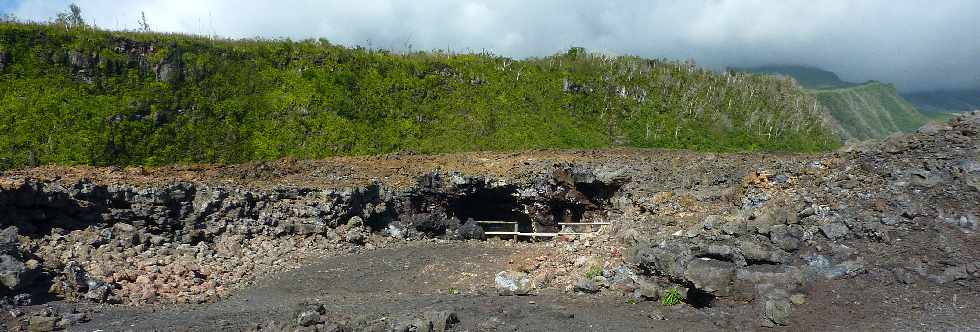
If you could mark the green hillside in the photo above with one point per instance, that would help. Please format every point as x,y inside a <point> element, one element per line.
<point>871,110</point>
<point>86,96</point>
<point>861,111</point>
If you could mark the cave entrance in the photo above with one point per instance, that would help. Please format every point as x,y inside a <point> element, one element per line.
<point>599,193</point>
<point>495,209</point>
<point>499,212</point>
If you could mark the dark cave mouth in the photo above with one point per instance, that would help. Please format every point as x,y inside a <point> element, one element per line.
<point>500,210</point>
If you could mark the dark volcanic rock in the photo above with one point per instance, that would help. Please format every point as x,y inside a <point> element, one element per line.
<point>834,231</point>
<point>586,285</point>
<point>713,276</point>
<point>14,274</point>
<point>471,230</point>
<point>76,285</point>
<point>9,244</point>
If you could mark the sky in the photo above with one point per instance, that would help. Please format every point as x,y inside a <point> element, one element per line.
<point>917,45</point>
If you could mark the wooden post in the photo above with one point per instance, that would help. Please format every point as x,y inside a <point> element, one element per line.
<point>517,230</point>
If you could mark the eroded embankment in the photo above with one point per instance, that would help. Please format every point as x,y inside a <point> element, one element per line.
<point>754,230</point>
<point>190,242</point>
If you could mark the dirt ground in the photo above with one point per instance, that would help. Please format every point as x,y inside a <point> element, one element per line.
<point>395,170</point>
<point>383,284</point>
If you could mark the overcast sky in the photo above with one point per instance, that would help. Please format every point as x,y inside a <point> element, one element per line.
<point>916,44</point>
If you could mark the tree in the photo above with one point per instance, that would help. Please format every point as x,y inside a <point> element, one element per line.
<point>71,18</point>
<point>144,25</point>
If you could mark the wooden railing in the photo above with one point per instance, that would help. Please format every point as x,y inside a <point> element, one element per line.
<point>517,232</point>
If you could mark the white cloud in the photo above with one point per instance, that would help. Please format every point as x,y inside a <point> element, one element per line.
<point>915,43</point>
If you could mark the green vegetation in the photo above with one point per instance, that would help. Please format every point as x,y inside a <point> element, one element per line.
<point>870,110</point>
<point>71,94</point>
<point>593,271</point>
<point>672,297</point>
<point>861,111</point>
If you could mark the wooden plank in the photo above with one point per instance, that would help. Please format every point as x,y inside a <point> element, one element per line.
<point>561,223</point>
<point>550,234</point>
<point>534,234</point>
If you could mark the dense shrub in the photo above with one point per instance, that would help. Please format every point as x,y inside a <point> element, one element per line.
<point>86,96</point>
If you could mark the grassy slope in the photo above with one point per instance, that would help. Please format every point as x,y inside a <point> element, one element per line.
<point>870,110</point>
<point>86,96</point>
<point>862,111</point>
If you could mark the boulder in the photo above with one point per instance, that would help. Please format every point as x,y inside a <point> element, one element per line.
<point>471,230</point>
<point>357,235</point>
<point>429,223</point>
<point>775,312</point>
<point>668,259</point>
<point>648,290</point>
<point>441,321</point>
<point>621,278</point>
<point>76,285</point>
<point>355,221</point>
<point>586,285</point>
<point>9,245</point>
<point>753,280</point>
<point>711,275</point>
<point>734,228</point>
<point>75,277</point>
<point>776,215</point>
<point>42,323</point>
<point>14,274</point>
<point>308,318</point>
<point>98,291</point>
<point>834,231</point>
<point>756,252</point>
<point>512,283</point>
<point>844,269</point>
<point>787,237</point>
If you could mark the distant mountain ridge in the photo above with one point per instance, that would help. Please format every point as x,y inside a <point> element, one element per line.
<point>808,77</point>
<point>862,110</point>
<point>945,101</point>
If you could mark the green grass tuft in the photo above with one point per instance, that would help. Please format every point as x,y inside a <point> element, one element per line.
<point>672,297</point>
<point>593,271</point>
